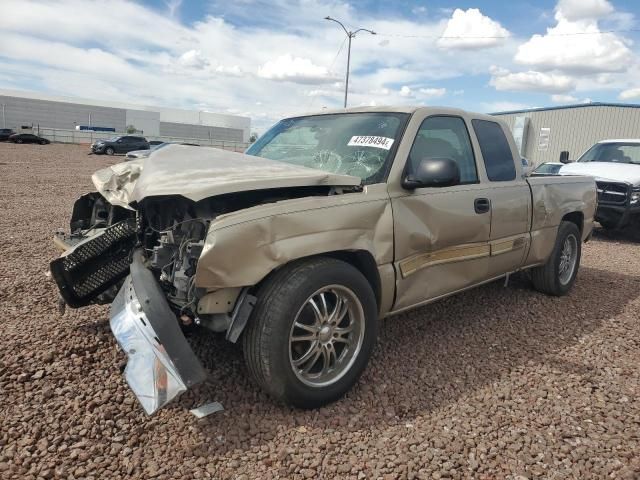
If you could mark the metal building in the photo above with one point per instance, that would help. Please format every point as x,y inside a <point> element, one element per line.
<point>542,133</point>
<point>18,108</point>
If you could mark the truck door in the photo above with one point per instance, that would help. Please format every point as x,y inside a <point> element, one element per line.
<point>509,195</point>
<point>441,234</point>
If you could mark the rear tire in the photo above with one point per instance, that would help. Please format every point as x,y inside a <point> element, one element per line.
<point>558,275</point>
<point>312,332</point>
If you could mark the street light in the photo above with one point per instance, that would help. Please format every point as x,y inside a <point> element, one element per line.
<point>350,35</point>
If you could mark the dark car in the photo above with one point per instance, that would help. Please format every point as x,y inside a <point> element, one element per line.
<point>27,138</point>
<point>123,144</point>
<point>5,133</point>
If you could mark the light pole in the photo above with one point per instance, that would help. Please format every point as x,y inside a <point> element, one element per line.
<point>350,35</point>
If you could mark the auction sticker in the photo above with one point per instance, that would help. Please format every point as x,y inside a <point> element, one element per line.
<point>366,141</point>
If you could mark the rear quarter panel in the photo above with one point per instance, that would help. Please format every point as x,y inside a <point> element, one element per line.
<point>554,197</point>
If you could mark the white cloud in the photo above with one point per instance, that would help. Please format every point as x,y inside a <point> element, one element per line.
<point>504,106</point>
<point>576,44</point>
<point>232,70</point>
<point>573,10</point>
<point>294,69</point>
<point>421,93</point>
<point>321,93</point>
<point>629,94</point>
<point>531,81</point>
<point>432,92</point>
<point>563,98</point>
<point>406,92</point>
<point>380,91</point>
<point>193,58</point>
<point>472,23</point>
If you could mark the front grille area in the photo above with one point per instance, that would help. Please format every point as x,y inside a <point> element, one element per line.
<point>612,193</point>
<point>95,265</point>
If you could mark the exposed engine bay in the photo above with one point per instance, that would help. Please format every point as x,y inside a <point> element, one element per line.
<point>171,230</point>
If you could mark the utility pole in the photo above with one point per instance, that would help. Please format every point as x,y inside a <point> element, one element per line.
<point>350,34</point>
<point>4,119</point>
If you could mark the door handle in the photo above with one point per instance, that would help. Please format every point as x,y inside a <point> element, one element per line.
<point>482,205</point>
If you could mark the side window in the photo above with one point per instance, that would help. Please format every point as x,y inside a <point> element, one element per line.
<point>445,137</point>
<point>496,151</point>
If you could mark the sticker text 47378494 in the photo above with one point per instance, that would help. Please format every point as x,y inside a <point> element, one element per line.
<point>371,141</point>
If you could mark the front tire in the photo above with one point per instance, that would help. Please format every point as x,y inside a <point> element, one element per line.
<point>19,141</point>
<point>109,151</point>
<point>312,332</point>
<point>558,275</point>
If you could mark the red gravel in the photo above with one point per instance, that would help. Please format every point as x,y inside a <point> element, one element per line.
<point>494,383</point>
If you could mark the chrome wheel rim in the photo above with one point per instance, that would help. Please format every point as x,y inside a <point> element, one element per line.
<point>326,336</point>
<point>568,257</point>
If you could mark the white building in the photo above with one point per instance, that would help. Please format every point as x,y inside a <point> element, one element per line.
<point>51,111</point>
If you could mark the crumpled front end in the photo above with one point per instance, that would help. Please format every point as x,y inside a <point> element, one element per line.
<point>161,364</point>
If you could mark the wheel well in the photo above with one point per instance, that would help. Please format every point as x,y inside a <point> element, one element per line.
<point>366,264</point>
<point>360,259</point>
<point>576,218</point>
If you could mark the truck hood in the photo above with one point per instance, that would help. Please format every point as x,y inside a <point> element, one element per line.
<point>201,172</point>
<point>610,171</point>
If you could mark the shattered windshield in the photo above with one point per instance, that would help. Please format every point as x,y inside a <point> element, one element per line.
<point>613,152</point>
<point>358,144</point>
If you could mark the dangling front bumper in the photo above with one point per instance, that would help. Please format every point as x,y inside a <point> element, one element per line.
<point>161,364</point>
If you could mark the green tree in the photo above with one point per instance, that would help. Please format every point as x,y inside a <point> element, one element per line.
<point>253,137</point>
<point>131,129</point>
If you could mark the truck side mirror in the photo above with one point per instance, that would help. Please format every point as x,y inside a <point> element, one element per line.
<point>564,157</point>
<point>433,172</point>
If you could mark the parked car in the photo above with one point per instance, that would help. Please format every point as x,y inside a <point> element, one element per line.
<point>615,164</point>
<point>121,144</point>
<point>297,248</point>
<point>5,133</point>
<point>156,142</point>
<point>154,147</point>
<point>548,168</point>
<point>28,138</point>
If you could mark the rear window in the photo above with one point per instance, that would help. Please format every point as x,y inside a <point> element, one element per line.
<point>496,151</point>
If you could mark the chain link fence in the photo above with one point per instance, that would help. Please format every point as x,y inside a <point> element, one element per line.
<point>84,137</point>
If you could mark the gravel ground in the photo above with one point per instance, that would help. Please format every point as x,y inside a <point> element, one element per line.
<point>494,383</point>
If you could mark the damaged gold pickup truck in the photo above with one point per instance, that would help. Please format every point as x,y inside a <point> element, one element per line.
<point>297,248</point>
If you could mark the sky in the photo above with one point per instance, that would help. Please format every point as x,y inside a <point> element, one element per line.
<point>269,59</point>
